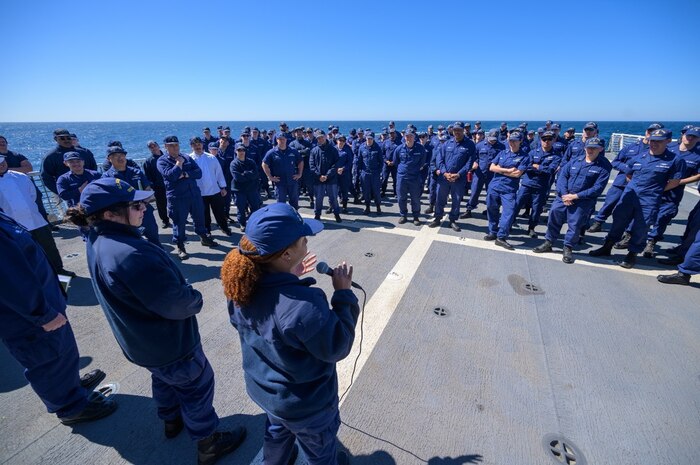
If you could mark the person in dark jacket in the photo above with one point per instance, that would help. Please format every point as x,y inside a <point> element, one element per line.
<point>184,197</point>
<point>245,184</point>
<point>347,159</point>
<point>154,322</point>
<point>150,169</point>
<point>290,337</point>
<point>35,330</point>
<point>52,165</point>
<point>324,163</point>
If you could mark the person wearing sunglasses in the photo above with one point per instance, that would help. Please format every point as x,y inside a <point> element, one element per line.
<point>152,310</point>
<point>52,165</point>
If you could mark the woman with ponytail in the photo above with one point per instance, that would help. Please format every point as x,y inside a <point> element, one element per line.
<point>290,337</point>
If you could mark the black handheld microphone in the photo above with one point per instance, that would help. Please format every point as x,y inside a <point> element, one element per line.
<point>323,268</point>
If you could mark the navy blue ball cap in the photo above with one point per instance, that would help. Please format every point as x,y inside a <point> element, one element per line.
<point>213,145</point>
<point>492,135</point>
<point>61,132</point>
<point>240,147</point>
<point>548,134</point>
<point>115,149</point>
<point>441,128</point>
<point>71,156</point>
<point>369,135</point>
<point>458,125</point>
<point>480,131</point>
<point>478,122</point>
<point>442,136</point>
<point>410,131</point>
<point>171,140</point>
<point>206,129</point>
<point>549,121</point>
<point>504,124</point>
<point>523,126</point>
<point>227,128</point>
<point>195,140</point>
<point>556,126</point>
<point>353,132</point>
<point>105,192</point>
<point>280,135</point>
<point>341,137</point>
<point>515,135</point>
<point>595,142</point>
<point>685,128</point>
<point>531,132</point>
<point>571,130</point>
<point>590,125</point>
<point>255,129</point>
<point>319,133</point>
<point>660,134</point>
<point>540,130</point>
<point>112,143</point>
<point>283,124</point>
<point>655,126</point>
<point>360,131</point>
<point>277,226</point>
<point>693,131</point>
<point>245,134</point>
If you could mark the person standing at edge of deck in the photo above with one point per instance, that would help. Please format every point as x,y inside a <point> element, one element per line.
<point>508,166</point>
<point>283,167</point>
<point>652,173</point>
<point>150,169</point>
<point>409,158</point>
<point>18,201</point>
<point>184,197</point>
<point>71,184</point>
<point>35,330</point>
<point>52,165</point>
<point>579,184</point>
<point>454,159</point>
<point>152,310</point>
<point>291,339</point>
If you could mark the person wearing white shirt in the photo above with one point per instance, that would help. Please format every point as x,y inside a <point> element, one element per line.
<point>18,201</point>
<point>212,184</point>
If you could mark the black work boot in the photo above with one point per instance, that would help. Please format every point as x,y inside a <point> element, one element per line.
<point>568,256</point>
<point>338,219</point>
<point>467,214</point>
<point>649,249</point>
<point>629,261</point>
<point>546,246</point>
<point>345,207</point>
<point>675,278</point>
<point>217,445</point>
<point>173,427</point>
<point>367,209</point>
<point>597,226</point>
<point>603,251</point>
<point>624,242</point>
<point>430,210</point>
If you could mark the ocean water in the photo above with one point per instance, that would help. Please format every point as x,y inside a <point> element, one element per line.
<point>33,140</point>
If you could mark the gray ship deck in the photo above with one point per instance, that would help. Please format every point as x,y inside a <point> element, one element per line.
<point>603,357</point>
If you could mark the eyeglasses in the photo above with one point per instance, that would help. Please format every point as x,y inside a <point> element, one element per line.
<point>547,139</point>
<point>588,129</point>
<point>139,205</point>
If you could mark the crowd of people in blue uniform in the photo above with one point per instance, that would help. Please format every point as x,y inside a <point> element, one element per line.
<point>291,337</point>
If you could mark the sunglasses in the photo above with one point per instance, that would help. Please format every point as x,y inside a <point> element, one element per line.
<point>547,139</point>
<point>588,129</point>
<point>65,138</point>
<point>139,205</point>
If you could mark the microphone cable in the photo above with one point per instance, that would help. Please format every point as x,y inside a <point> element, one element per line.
<point>352,379</point>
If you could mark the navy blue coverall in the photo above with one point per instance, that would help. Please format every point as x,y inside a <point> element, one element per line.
<point>284,164</point>
<point>453,157</point>
<point>408,162</point>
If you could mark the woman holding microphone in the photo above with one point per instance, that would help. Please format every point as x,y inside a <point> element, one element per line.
<point>290,337</point>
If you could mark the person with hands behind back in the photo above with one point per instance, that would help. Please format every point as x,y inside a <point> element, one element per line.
<point>290,337</point>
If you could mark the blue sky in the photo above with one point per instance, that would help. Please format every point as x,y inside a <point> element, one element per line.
<point>361,60</point>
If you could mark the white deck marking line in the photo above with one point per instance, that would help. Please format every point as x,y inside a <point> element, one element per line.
<point>381,305</point>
